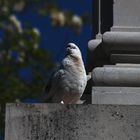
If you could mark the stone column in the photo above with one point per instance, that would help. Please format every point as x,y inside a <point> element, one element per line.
<point>126,15</point>
<point>117,16</point>
<point>117,84</point>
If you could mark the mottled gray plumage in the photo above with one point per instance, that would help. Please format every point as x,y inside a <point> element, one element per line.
<point>68,83</point>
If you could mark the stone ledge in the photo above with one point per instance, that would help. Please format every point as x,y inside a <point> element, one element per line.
<point>125,28</point>
<point>72,122</point>
<point>116,95</point>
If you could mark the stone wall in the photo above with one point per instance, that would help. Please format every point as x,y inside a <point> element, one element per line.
<point>72,122</point>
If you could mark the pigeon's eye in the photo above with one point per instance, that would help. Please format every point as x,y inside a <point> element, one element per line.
<point>73,47</point>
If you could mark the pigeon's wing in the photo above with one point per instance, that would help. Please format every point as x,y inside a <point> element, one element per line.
<point>53,82</point>
<point>50,78</point>
<point>49,83</point>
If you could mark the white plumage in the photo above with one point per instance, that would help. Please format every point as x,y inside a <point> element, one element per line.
<point>68,83</point>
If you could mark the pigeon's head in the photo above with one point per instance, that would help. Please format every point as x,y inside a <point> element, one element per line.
<point>73,50</point>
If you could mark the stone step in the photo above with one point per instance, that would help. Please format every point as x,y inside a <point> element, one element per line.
<point>72,122</point>
<point>116,95</point>
<point>116,76</point>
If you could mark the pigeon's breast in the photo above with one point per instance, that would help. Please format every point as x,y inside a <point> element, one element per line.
<point>75,76</point>
<point>75,82</point>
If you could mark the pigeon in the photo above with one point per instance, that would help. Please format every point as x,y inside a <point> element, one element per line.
<point>68,82</point>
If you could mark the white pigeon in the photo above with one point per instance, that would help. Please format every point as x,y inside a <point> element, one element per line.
<point>68,83</point>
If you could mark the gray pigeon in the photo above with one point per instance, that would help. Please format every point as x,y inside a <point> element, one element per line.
<point>68,83</point>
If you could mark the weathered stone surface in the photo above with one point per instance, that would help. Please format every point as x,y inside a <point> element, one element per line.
<point>72,122</point>
<point>116,76</point>
<point>126,15</point>
<point>116,95</point>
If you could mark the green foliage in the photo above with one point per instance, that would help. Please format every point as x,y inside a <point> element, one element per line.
<point>17,52</point>
<point>19,49</point>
